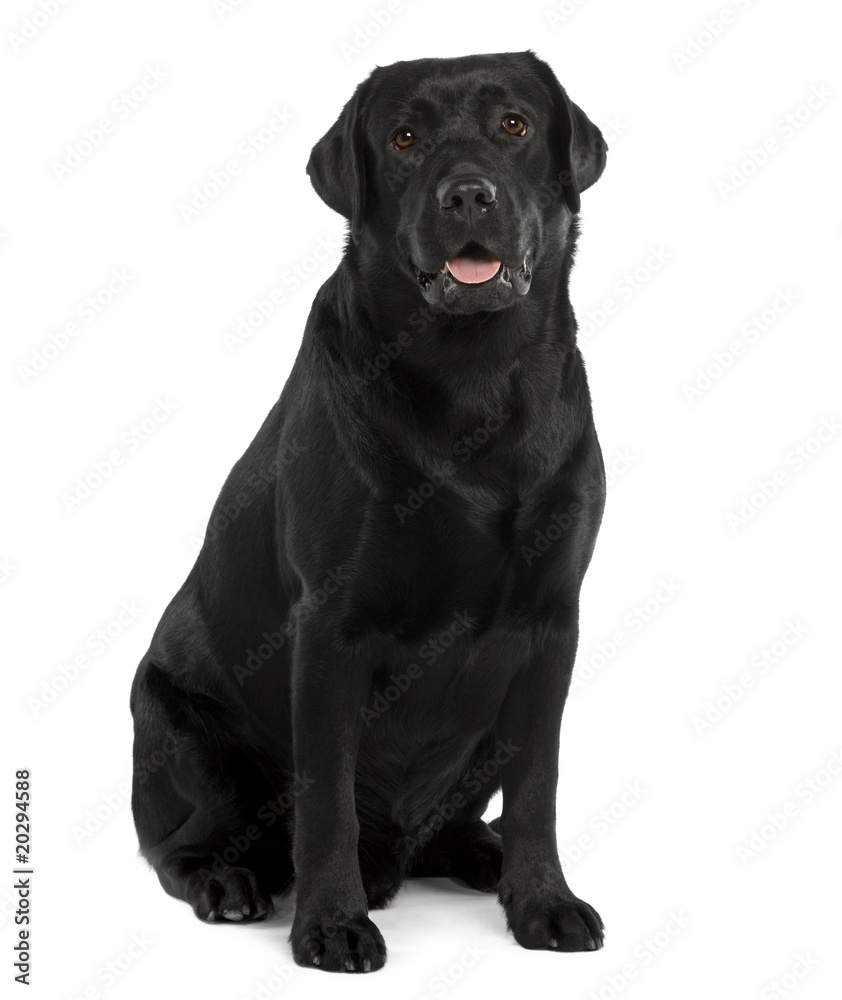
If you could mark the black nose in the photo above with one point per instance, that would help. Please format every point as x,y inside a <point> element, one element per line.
<point>466,197</point>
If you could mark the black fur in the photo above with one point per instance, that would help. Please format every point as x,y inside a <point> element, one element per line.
<point>380,628</point>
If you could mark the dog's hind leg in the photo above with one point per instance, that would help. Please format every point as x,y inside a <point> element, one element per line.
<point>200,806</point>
<point>469,851</point>
<point>467,848</point>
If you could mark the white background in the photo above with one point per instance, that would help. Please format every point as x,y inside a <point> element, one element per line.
<point>748,918</point>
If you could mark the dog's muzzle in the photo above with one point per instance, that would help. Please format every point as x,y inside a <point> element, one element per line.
<point>473,280</point>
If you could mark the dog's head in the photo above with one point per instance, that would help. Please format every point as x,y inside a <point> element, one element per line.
<point>464,173</point>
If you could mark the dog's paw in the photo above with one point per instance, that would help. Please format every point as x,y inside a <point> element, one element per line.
<point>470,852</point>
<point>337,942</point>
<point>478,863</point>
<point>233,895</point>
<point>551,918</point>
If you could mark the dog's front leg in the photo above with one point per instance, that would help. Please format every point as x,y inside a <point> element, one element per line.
<point>541,911</point>
<point>331,930</point>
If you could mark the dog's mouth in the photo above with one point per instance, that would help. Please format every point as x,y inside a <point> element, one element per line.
<point>475,278</point>
<point>474,265</point>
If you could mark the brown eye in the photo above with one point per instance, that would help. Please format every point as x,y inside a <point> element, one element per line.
<point>514,125</point>
<point>404,139</point>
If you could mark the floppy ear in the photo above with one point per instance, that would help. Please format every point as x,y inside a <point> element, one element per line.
<point>337,164</point>
<point>583,149</point>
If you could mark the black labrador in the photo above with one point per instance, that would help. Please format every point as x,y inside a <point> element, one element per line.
<point>379,631</point>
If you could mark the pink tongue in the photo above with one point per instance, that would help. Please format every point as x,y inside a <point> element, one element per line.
<point>472,271</point>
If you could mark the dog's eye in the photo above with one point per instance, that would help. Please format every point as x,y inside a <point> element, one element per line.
<point>514,125</point>
<point>403,139</point>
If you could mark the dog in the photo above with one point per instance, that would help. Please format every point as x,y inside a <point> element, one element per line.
<point>379,631</point>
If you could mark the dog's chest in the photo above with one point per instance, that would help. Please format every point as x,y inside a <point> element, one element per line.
<point>441,605</point>
<point>417,565</point>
